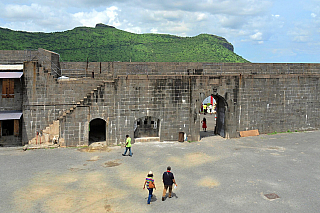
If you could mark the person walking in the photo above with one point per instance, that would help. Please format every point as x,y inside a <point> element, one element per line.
<point>150,185</point>
<point>168,181</point>
<point>128,146</point>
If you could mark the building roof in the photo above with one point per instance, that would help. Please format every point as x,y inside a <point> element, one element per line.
<point>10,115</point>
<point>11,67</point>
<point>11,74</point>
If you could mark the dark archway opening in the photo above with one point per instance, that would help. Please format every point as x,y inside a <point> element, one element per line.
<point>7,127</point>
<point>97,130</point>
<point>146,127</point>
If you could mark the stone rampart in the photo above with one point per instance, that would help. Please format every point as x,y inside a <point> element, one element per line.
<point>267,97</point>
<point>17,56</point>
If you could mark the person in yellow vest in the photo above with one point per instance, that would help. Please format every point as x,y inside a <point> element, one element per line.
<point>204,109</point>
<point>128,146</point>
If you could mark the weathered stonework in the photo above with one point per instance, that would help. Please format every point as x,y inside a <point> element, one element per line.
<point>267,97</point>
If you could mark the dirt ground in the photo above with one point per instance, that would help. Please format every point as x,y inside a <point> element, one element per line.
<point>214,174</point>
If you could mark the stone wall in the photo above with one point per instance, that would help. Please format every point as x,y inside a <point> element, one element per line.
<point>46,98</point>
<point>212,69</point>
<point>267,97</point>
<point>17,56</point>
<point>15,103</point>
<point>279,103</point>
<point>12,104</point>
<point>87,69</point>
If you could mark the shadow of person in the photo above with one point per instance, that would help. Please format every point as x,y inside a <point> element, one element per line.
<point>208,133</point>
<point>154,198</point>
<point>174,195</point>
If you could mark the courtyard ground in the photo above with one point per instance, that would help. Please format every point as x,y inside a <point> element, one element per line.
<point>266,173</point>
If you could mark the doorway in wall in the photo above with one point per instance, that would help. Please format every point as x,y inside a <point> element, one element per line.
<point>146,127</point>
<point>7,127</point>
<point>212,112</point>
<point>207,117</point>
<point>97,130</point>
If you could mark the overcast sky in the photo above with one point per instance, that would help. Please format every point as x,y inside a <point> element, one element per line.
<point>260,30</point>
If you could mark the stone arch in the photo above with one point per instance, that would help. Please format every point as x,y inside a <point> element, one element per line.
<point>221,111</point>
<point>97,130</point>
<point>147,126</point>
<point>221,115</point>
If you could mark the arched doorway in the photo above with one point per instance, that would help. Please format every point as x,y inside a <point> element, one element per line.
<point>208,116</point>
<point>146,127</point>
<point>215,116</point>
<point>97,130</point>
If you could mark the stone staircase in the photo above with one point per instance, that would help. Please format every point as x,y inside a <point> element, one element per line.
<point>147,139</point>
<point>50,134</point>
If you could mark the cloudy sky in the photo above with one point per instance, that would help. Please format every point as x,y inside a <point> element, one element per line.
<point>260,30</point>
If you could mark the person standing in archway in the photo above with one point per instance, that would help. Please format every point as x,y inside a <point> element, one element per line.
<point>204,124</point>
<point>128,146</point>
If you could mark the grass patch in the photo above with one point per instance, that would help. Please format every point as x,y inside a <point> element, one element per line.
<point>275,132</point>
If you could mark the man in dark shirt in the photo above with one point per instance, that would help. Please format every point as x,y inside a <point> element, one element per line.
<point>168,180</point>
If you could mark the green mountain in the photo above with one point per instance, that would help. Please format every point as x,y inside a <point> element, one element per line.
<point>106,43</point>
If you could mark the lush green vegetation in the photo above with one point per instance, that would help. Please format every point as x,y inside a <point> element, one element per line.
<point>106,43</point>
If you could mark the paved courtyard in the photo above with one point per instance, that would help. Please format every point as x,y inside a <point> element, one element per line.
<point>267,173</point>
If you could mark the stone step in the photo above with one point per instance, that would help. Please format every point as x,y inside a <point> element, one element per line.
<point>147,139</point>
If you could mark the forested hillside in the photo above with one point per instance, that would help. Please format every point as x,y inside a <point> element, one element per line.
<point>106,43</point>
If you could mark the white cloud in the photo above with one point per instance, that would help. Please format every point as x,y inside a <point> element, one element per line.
<point>257,36</point>
<point>201,17</point>
<point>90,19</point>
<point>22,12</point>
<point>244,22</point>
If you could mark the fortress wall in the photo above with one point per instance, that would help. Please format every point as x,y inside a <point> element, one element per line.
<point>45,98</point>
<point>128,99</point>
<point>279,103</point>
<point>16,56</point>
<point>75,127</point>
<point>268,97</point>
<point>12,103</point>
<point>163,68</point>
<point>257,101</point>
<point>164,98</point>
<point>84,69</point>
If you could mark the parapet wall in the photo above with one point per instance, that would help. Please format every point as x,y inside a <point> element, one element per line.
<point>162,68</point>
<point>16,56</point>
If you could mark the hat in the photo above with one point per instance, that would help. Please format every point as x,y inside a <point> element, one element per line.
<point>150,173</point>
